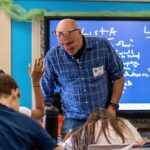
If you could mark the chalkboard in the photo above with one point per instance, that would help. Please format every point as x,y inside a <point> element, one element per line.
<point>131,39</point>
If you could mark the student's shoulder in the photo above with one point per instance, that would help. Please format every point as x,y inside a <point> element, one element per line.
<point>26,119</point>
<point>127,122</point>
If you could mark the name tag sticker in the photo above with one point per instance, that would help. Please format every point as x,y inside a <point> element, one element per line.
<point>98,71</point>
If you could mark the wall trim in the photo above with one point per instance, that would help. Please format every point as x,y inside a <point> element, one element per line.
<point>36,47</point>
<point>5,42</point>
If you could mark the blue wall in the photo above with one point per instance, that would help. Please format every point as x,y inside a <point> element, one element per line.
<point>21,57</point>
<point>21,32</point>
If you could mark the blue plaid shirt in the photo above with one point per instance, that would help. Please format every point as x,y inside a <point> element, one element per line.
<point>85,84</point>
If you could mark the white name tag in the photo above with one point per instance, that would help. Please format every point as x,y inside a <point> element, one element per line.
<point>98,71</point>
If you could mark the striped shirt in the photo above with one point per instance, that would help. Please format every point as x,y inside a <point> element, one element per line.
<point>85,83</point>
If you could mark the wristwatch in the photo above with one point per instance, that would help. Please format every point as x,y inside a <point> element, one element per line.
<point>115,105</point>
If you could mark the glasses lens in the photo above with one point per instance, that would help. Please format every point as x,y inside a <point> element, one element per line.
<point>64,33</point>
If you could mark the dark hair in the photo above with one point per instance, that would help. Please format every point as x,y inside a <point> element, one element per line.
<point>7,83</point>
<point>86,134</point>
<point>1,71</point>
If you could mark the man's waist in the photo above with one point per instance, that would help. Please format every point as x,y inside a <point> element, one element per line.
<point>76,116</point>
<point>81,114</point>
<point>85,105</point>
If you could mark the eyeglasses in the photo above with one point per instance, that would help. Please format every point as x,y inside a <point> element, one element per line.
<point>65,34</point>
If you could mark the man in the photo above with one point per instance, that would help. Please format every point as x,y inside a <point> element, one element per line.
<point>88,72</point>
<point>18,131</point>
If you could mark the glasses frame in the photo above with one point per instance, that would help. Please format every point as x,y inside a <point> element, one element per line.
<point>62,33</point>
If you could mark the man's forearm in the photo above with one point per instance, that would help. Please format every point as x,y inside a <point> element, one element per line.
<point>117,90</point>
<point>116,94</point>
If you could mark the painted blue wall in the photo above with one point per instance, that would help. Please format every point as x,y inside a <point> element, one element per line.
<point>21,32</point>
<point>21,57</point>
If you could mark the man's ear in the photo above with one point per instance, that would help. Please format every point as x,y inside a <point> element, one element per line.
<point>14,93</point>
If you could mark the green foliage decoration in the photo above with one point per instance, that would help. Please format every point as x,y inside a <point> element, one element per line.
<point>18,13</point>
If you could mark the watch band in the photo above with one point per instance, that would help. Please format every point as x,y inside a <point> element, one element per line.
<point>115,105</point>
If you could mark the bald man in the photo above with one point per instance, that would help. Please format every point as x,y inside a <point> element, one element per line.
<point>88,72</point>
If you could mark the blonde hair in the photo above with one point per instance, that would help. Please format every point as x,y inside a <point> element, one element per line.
<point>86,134</point>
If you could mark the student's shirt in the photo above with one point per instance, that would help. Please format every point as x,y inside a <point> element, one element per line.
<point>25,110</point>
<point>131,136</point>
<point>20,132</point>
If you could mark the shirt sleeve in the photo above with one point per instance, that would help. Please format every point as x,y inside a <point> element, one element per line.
<point>48,78</point>
<point>25,111</point>
<point>114,63</point>
<point>43,140</point>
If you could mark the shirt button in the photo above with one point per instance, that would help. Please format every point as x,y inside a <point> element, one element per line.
<point>84,90</point>
<point>82,79</point>
<point>86,102</point>
<point>80,67</point>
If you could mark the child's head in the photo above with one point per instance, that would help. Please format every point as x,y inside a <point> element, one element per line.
<point>1,71</point>
<point>102,119</point>
<point>100,114</point>
<point>9,92</point>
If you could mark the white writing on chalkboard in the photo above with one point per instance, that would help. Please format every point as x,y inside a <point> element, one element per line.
<point>147,32</point>
<point>100,32</point>
<point>128,49</point>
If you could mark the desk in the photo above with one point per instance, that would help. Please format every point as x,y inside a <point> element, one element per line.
<point>145,132</point>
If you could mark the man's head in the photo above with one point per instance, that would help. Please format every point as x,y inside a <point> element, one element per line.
<point>9,92</point>
<point>69,36</point>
